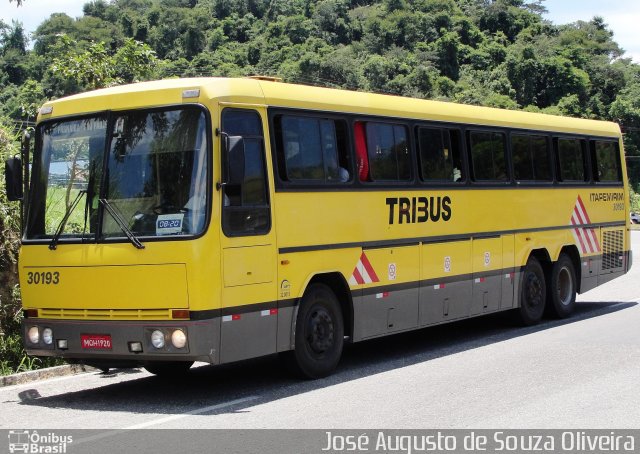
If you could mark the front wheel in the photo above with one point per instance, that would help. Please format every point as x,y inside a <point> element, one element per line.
<point>319,334</point>
<point>562,288</point>
<point>532,293</point>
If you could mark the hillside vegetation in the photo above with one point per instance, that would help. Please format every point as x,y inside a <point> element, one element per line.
<point>498,53</point>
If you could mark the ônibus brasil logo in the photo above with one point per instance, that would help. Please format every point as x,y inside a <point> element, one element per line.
<point>30,441</point>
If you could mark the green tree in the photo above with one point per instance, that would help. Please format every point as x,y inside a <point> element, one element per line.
<point>98,68</point>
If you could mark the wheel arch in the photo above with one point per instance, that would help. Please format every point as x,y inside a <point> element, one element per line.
<point>543,257</point>
<point>339,286</point>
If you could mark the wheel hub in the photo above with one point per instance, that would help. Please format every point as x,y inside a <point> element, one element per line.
<point>564,287</point>
<point>533,290</point>
<point>320,331</point>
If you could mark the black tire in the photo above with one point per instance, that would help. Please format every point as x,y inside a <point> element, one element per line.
<point>532,293</point>
<point>562,288</point>
<point>319,334</point>
<point>168,369</point>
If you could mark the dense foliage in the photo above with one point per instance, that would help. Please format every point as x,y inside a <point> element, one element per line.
<point>490,52</point>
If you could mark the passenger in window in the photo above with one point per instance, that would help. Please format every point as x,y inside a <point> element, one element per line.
<point>334,170</point>
<point>343,174</point>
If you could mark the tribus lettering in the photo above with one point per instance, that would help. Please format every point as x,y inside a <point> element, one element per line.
<point>419,209</point>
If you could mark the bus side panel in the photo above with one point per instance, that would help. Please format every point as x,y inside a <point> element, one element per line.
<point>446,286</point>
<point>589,273</point>
<point>487,275</point>
<point>248,335</point>
<point>392,306</point>
<point>287,312</point>
<point>508,280</point>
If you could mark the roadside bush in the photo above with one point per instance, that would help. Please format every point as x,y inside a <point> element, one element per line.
<point>634,199</point>
<point>13,357</point>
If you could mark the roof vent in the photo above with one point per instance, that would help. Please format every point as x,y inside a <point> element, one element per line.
<point>267,78</point>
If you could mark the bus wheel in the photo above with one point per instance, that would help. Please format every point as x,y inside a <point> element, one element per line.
<point>319,334</point>
<point>168,368</point>
<point>532,293</point>
<point>562,288</point>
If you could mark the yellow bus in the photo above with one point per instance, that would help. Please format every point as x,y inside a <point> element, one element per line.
<point>220,219</point>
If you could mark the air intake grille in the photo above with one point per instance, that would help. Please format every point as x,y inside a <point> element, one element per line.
<point>107,314</point>
<point>612,249</point>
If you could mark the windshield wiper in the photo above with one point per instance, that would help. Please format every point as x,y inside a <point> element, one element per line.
<point>56,236</point>
<point>123,225</point>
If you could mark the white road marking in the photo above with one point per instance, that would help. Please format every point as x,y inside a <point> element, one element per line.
<point>155,422</point>
<point>198,411</point>
<point>633,300</point>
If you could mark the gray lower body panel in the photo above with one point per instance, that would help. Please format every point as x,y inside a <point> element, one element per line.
<point>385,312</point>
<point>203,340</point>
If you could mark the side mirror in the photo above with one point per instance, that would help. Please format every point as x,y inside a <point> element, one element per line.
<point>234,160</point>
<point>13,178</point>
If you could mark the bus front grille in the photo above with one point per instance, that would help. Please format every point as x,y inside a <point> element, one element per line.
<point>106,314</point>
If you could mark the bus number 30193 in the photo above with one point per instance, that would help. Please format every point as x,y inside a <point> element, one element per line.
<point>43,277</point>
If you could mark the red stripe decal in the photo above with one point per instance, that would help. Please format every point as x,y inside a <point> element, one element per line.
<point>584,210</point>
<point>577,232</point>
<point>357,276</point>
<point>369,268</point>
<point>594,235</point>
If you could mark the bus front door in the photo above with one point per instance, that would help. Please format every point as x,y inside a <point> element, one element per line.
<point>249,292</point>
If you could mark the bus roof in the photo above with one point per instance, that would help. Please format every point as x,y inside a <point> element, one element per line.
<point>263,92</point>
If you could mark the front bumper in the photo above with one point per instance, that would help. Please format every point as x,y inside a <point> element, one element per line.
<point>203,339</point>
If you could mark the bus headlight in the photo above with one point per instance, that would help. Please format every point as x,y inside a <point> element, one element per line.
<point>157,339</point>
<point>47,336</point>
<point>34,335</point>
<point>178,338</point>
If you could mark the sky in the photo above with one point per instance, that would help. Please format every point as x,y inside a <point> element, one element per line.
<point>622,16</point>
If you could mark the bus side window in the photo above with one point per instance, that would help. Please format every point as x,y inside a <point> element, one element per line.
<point>439,154</point>
<point>388,152</point>
<point>531,158</point>
<point>311,150</point>
<point>571,160</point>
<point>605,158</point>
<point>488,156</point>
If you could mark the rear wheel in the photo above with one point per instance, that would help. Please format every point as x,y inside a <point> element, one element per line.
<point>561,296</point>
<point>168,368</point>
<point>319,335</point>
<point>532,293</point>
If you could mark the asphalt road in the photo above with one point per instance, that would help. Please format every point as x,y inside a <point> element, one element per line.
<point>483,373</point>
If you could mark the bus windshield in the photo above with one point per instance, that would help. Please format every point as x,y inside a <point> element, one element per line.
<point>147,167</point>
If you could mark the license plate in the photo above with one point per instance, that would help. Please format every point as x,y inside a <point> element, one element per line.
<point>96,341</point>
